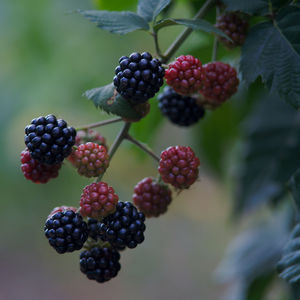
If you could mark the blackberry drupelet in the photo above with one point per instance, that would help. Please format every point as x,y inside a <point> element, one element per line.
<point>124,228</point>
<point>138,77</point>
<point>49,140</point>
<point>66,231</point>
<point>100,264</point>
<point>180,110</point>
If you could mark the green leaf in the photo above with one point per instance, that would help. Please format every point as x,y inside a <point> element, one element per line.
<point>194,24</point>
<point>289,265</point>
<point>270,155</point>
<point>107,99</point>
<point>260,7</point>
<point>115,4</point>
<point>272,51</point>
<point>252,256</point>
<point>149,9</point>
<point>294,185</point>
<point>116,22</point>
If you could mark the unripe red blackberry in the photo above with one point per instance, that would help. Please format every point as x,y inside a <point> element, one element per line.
<point>49,140</point>
<point>151,197</point>
<point>90,135</point>
<point>138,77</point>
<point>36,171</point>
<point>178,166</point>
<point>124,228</point>
<point>85,136</point>
<point>220,82</point>
<point>235,27</point>
<point>98,200</point>
<point>185,75</point>
<point>66,231</point>
<point>90,159</point>
<point>62,208</point>
<point>100,264</point>
<point>180,110</point>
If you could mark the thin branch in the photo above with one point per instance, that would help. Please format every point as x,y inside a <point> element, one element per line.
<point>101,123</point>
<point>117,142</point>
<point>142,146</point>
<point>157,49</point>
<point>215,46</point>
<point>185,33</point>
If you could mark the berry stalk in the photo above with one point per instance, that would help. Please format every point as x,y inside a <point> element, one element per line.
<point>142,146</point>
<point>185,33</point>
<point>101,123</point>
<point>117,142</point>
<point>215,46</point>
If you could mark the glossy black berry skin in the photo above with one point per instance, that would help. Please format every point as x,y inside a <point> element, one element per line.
<point>124,228</point>
<point>180,110</point>
<point>49,140</point>
<point>66,231</point>
<point>138,77</point>
<point>100,264</point>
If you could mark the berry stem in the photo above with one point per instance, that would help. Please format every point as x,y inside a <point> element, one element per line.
<point>142,146</point>
<point>157,49</point>
<point>117,142</point>
<point>215,46</point>
<point>101,123</point>
<point>185,33</point>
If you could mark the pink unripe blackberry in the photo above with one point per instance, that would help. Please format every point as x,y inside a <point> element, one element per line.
<point>90,159</point>
<point>185,75</point>
<point>151,197</point>
<point>36,171</point>
<point>178,166</point>
<point>220,82</point>
<point>234,26</point>
<point>98,200</point>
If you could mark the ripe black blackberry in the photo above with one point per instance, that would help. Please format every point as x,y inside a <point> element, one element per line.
<point>49,140</point>
<point>66,231</point>
<point>100,264</point>
<point>138,77</point>
<point>181,110</point>
<point>124,228</point>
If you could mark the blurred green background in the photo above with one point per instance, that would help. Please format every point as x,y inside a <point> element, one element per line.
<point>49,57</point>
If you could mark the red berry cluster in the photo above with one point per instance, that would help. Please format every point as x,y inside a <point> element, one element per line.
<point>179,166</point>
<point>98,200</point>
<point>185,75</point>
<point>220,82</point>
<point>235,27</point>
<point>151,197</point>
<point>36,171</point>
<point>90,159</point>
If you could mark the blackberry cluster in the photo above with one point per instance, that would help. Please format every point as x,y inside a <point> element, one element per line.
<point>36,171</point>
<point>100,264</point>
<point>138,77</point>
<point>124,228</point>
<point>49,140</point>
<point>151,197</point>
<point>66,231</point>
<point>181,110</point>
<point>178,166</point>
<point>185,75</point>
<point>235,27</point>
